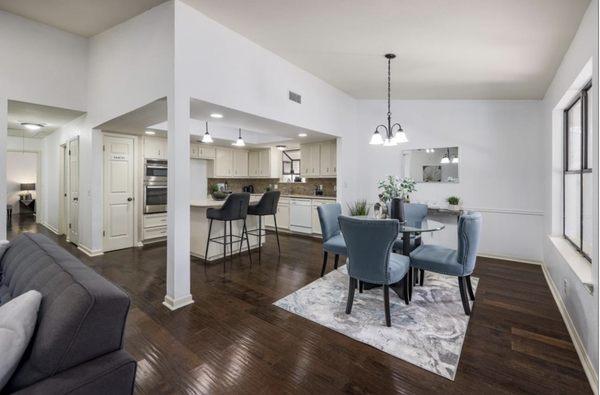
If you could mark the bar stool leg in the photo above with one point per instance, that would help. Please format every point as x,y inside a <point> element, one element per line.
<point>230,241</point>
<point>259,235</point>
<point>245,230</point>
<point>277,233</point>
<point>207,243</point>
<point>224,244</point>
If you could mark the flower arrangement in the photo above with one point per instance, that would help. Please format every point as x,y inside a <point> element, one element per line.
<point>394,187</point>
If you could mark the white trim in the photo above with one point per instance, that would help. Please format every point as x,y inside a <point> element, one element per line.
<point>581,267</point>
<point>50,227</point>
<point>88,251</point>
<point>505,211</point>
<point>588,368</point>
<point>174,304</point>
<point>512,259</point>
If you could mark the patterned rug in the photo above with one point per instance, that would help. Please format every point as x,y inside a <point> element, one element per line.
<point>428,333</point>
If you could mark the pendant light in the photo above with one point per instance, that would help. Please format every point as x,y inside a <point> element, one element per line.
<point>240,140</point>
<point>390,137</point>
<point>455,159</point>
<point>207,138</point>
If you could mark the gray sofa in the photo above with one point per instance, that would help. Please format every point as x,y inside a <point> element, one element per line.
<point>77,346</point>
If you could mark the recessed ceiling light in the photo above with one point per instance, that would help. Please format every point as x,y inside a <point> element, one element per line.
<point>32,126</point>
<point>302,134</point>
<point>216,115</point>
<point>280,147</point>
<point>150,132</point>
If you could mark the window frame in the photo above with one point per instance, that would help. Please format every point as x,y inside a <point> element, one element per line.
<point>582,96</point>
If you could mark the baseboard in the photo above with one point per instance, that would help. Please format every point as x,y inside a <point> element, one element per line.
<point>512,259</point>
<point>52,228</point>
<point>174,304</point>
<point>588,368</point>
<point>88,251</point>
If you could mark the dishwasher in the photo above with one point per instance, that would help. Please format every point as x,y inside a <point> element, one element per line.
<point>300,215</point>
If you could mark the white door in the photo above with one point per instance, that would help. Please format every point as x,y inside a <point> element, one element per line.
<point>74,190</point>
<point>118,192</point>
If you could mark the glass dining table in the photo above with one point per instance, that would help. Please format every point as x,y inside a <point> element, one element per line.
<point>407,231</point>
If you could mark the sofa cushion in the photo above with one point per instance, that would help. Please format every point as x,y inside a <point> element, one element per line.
<point>17,322</point>
<point>81,317</point>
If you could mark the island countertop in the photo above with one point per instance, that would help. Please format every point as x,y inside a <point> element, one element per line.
<point>254,198</point>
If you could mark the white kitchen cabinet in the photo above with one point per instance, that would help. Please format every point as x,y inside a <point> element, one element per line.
<point>223,166</point>
<point>310,158</point>
<point>155,148</point>
<point>316,224</point>
<point>328,159</point>
<point>194,151</point>
<point>254,163</point>
<point>240,163</point>
<point>205,152</point>
<point>283,215</point>
<point>300,215</point>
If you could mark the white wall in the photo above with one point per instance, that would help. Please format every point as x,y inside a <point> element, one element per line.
<point>21,167</point>
<point>500,165</point>
<point>198,179</point>
<point>581,305</point>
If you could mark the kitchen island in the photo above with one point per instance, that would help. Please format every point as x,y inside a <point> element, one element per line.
<point>199,230</point>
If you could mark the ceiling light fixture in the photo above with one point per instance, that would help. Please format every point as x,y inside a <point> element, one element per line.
<point>207,138</point>
<point>280,147</point>
<point>390,138</point>
<point>302,134</point>
<point>32,126</point>
<point>150,132</point>
<point>216,115</point>
<point>455,159</point>
<point>240,140</point>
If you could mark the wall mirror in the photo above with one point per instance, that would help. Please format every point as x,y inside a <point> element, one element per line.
<point>432,165</point>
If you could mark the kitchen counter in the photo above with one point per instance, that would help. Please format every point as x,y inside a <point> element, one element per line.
<point>209,202</point>
<point>303,196</point>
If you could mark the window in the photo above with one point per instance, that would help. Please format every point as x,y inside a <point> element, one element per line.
<point>577,176</point>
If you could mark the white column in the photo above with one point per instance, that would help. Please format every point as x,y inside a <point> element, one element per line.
<point>178,201</point>
<point>3,142</point>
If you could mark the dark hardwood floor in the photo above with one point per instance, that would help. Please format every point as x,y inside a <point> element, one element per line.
<point>233,340</point>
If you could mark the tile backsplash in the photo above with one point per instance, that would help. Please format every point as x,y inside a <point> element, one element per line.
<point>261,184</point>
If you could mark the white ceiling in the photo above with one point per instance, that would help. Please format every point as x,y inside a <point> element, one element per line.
<point>256,131</point>
<point>457,49</point>
<point>83,17</point>
<point>51,117</point>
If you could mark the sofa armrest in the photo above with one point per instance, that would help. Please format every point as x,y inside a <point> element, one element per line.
<point>112,373</point>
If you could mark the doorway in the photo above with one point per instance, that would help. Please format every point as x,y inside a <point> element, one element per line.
<point>22,174</point>
<point>119,185</point>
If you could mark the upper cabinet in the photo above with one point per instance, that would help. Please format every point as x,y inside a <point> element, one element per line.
<point>318,159</point>
<point>223,166</point>
<point>264,163</point>
<point>155,148</point>
<point>202,151</point>
<point>240,163</point>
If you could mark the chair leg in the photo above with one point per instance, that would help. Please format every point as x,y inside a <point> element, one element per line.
<point>470,288</point>
<point>350,295</point>
<point>230,241</point>
<point>207,243</point>
<point>245,230</point>
<point>324,263</point>
<point>422,275</point>
<point>406,291</point>
<point>463,295</point>
<point>410,282</point>
<point>277,233</point>
<point>360,287</point>
<point>337,260</point>
<point>386,301</point>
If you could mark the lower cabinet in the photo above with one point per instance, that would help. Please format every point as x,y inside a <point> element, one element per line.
<point>316,224</point>
<point>283,215</point>
<point>155,226</point>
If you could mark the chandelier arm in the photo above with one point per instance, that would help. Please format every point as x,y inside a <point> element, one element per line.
<point>397,124</point>
<point>385,128</point>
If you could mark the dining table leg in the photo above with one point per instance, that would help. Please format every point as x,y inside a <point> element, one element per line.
<point>406,252</point>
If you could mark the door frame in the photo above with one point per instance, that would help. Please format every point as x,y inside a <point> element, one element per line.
<point>39,196</point>
<point>62,188</point>
<point>136,186</point>
<point>68,185</point>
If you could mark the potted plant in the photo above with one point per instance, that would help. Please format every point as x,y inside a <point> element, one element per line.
<point>394,187</point>
<point>453,202</point>
<point>359,208</point>
<point>216,193</point>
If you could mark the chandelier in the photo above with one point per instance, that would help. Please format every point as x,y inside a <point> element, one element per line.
<point>392,134</point>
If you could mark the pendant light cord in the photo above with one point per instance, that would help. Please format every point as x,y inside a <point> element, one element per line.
<point>389,87</point>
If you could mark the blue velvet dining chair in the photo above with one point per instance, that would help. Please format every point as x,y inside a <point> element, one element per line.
<point>370,257</point>
<point>333,241</point>
<point>460,262</point>
<point>414,214</point>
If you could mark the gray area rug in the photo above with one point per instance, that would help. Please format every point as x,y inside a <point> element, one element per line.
<point>428,333</point>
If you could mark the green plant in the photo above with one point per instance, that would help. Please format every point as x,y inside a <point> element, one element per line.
<point>360,207</point>
<point>394,187</point>
<point>214,188</point>
<point>453,200</point>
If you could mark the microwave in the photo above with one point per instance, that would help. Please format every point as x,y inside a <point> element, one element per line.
<point>155,170</point>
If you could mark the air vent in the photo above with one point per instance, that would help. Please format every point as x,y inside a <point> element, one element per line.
<point>295,97</point>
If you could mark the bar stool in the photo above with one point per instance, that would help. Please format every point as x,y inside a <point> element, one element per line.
<point>267,205</point>
<point>235,208</point>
